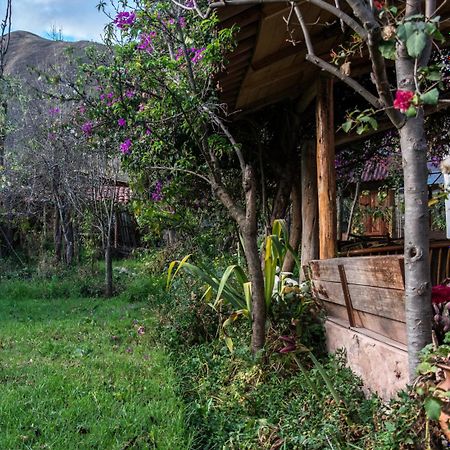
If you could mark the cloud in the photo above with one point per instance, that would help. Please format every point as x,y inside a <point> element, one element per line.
<point>78,19</point>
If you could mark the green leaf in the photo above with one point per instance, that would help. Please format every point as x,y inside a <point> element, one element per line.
<point>361,129</point>
<point>346,126</point>
<point>434,75</point>
<point>172,265</point>
<point>373,123</point>
<point>431,97</point>
<point>393,10</point>
<point>370,120</point>
<point>229,343</point>
<point>415,43</point>
<point>425,367</point>
<point>405,30</point>
<point>387,49</point>
<point>411,112</point>
<point>432,407</point>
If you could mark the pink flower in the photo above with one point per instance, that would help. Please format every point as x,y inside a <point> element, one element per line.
<point>121,122</point>
<point>403,100</point>
<point>440,294</point>
<point>125,147</point>
<point>146,42</point>
<point>378,4</point>
<point>86,128</point>
<point>124,19</point>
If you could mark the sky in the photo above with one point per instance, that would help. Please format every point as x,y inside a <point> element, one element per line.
<point>77,19</point>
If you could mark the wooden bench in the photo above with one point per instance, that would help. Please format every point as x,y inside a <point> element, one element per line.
<point>366,293</point>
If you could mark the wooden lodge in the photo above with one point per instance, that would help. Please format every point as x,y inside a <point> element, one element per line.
<point>363,290</point>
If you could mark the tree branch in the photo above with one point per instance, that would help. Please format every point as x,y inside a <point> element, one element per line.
<point>372,27</point>
<point>374,101</point>
<point>179,169</point>
<point>229,136</point>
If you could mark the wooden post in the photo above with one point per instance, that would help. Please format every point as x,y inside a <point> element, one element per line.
<point>326,174</point>
<point>310,219</point>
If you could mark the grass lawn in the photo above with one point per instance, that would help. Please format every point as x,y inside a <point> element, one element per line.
<point>83,373</point>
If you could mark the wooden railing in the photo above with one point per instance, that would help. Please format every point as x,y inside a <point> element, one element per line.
<point>439,257</point>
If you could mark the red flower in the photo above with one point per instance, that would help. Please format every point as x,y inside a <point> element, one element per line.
<point>440,294</point>
<point>403,100</point>
<point>378,4</point>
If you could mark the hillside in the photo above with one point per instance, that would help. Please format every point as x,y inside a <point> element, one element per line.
<point>27,50</point>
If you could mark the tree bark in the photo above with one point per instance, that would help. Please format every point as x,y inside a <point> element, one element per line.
<point>257,280</point>
<point>108,266</point>
<point>310,215</point>
<point>57,233</point>
<point>69,239</point>
<point>249,230</point>
<point>417,267</point>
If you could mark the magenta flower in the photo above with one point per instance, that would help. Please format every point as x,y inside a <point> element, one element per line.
<point>129,94</point>
<point>156,195</point>
<point>87,128</point>
<point>54,111</point>
<point>196,54</point>
<point>403,100</point>
<point>125,147</point>
<point>124,19</point>
<point>146,43</point>
<point>182,22</point>
<point>121,122</point>
<point>148,132</point>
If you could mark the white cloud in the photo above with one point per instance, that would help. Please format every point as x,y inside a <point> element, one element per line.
<point>76,18</point>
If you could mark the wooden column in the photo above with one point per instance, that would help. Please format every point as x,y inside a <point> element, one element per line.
<point>326,174</point>
<point>310,219</point>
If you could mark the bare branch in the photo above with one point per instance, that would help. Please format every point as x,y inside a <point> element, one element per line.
<point>352,23</point>
<point>374,101</point>
<point>229,136</point>
<point>179,169</point>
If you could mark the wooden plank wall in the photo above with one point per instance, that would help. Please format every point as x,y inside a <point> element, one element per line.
<point>368,292</point>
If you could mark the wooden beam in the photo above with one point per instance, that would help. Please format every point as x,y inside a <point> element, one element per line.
<point>326,173</point>
<point>310,219</point>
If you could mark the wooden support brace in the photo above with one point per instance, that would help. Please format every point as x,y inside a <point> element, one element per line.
<point>326,173</point>
<point>347,298</point>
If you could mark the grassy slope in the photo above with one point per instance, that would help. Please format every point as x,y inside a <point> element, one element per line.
<point>75,373</point>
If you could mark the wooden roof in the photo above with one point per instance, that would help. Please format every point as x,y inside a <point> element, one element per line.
<point>268,65</point>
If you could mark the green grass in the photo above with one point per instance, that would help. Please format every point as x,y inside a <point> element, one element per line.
<point>80,373</point>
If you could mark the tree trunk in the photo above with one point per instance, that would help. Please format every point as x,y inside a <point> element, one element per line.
<point>310,216</point>
<point>57,232</point>
<point>257,280</point>
<point>69,240</point>
<point>108,267</point>
<point>417,268</point>
<point>295,232</point>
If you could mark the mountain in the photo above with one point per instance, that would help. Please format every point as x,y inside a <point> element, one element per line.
<point>27,50</point>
